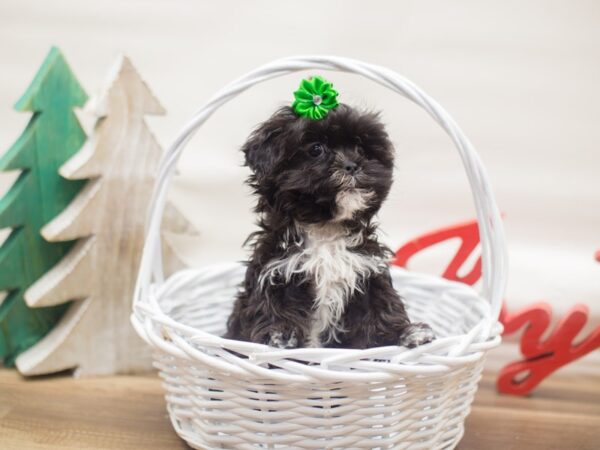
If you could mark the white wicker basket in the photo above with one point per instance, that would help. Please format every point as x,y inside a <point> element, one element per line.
<point>228,394</point>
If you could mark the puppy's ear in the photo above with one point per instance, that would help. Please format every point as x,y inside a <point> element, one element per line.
<point>264,149</point>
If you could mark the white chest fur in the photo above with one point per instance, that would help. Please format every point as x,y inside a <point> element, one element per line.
<point>328,258</point>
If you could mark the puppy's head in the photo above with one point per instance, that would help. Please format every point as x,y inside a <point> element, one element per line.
<point>332,170</point>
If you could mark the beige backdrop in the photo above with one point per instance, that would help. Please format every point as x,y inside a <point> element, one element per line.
<point>522,78</point>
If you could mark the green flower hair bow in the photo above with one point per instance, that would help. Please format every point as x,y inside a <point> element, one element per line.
<point>314,98</point>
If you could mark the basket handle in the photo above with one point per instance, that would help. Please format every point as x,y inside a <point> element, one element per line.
<point>493,249</point>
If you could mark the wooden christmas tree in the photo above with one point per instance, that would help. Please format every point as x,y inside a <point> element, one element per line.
<point>51,137</point>
<point>107,217</point>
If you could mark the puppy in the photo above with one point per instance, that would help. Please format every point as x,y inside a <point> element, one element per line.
<point>318,277</point>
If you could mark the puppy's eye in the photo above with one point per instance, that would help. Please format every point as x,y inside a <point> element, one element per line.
<point>316,150</point>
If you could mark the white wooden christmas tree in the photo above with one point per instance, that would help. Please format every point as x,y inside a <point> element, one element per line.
<point>107,218</point>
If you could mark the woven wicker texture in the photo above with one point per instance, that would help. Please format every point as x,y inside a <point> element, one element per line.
<point>229,394</point>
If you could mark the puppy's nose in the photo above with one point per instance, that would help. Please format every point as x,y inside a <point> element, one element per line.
<point>350,167</point>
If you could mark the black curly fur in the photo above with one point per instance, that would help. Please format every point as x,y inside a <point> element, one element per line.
<point>295,188</point>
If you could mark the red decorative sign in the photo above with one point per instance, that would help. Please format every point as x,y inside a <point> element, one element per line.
<point>540,357</point>
<point>467,232</point>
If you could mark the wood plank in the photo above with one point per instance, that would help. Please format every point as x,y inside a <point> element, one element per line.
<point>493,428</point>
<point>563,413</point>
<point>567,394</point>
<point>100,413</point>
<point>128,412</point>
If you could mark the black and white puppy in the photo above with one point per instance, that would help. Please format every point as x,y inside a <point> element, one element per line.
<point>318,275</point>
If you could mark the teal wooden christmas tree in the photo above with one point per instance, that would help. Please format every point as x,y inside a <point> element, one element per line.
<point>51,137</point>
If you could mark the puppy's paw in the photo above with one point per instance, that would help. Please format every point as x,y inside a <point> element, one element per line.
<point>416,334</point>
<point>283,340</point>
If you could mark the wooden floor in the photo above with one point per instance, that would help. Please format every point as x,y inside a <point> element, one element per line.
<point>128,413</point>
